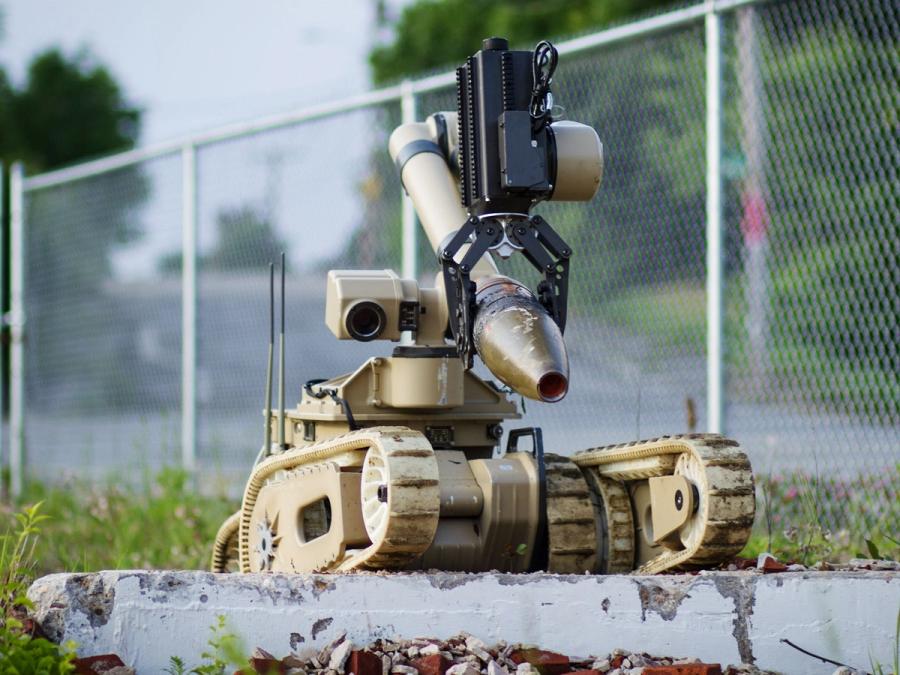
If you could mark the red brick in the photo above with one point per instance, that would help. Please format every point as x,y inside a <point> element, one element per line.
<point>685,669</point>
<point>433,664</point>
<point>547,663</point>
<point>96,665</point>
<point>771,565</point>
<point>616,661</point>
<point>584,672</point>
<point>364,663</point>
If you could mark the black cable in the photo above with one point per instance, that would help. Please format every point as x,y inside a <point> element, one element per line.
<point>543,66</point>
<point>322,392</point>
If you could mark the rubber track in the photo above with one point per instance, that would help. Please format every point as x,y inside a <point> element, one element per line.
<point>415,504</point>
<point>727,498</point>
<point>616,537</point>
<point>571,527</point>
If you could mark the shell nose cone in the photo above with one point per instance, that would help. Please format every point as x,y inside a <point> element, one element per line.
<point>520,343</point>
<point>553,387</point>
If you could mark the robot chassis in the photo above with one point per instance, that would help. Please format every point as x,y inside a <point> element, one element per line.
<point>393,466</point>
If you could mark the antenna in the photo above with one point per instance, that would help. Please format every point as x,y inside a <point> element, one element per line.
<point>281,445</point>
<point>267,443</point>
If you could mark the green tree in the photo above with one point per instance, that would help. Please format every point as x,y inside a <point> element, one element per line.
<point>246,240</point>
<point>440,33</point>
<point>246,237</point>
<point>70,108</point>
<point>432,34</point>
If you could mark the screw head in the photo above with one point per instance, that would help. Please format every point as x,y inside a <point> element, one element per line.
<point>679,500</point>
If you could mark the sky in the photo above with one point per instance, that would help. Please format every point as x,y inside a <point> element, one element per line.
<point>193,65</point>
<point>196,64</point>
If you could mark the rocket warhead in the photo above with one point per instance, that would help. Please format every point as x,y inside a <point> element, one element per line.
<point>518,340</point>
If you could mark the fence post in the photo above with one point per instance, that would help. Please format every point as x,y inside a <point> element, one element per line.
<point>3,461</point>
<point>16,331</point>
<point>714,263</point>
<point>409,269</point>
<point>189,307</point>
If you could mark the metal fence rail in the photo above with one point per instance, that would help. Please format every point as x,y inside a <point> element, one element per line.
<point>737,272</point>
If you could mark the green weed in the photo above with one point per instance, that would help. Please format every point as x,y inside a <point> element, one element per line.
<point>877,668</point>
<point>225,649</point>
<point>20,654</point>
<point>807,517</point>
<point>160,523</point>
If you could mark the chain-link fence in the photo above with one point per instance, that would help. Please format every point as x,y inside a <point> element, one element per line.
<point>803,180</point>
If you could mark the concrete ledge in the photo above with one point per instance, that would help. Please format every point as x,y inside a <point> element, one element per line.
<point>725,617</point>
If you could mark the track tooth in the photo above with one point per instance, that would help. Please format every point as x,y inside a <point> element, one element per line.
<point>741,491</point>
<point>571,521</point>
<point>412,452</point>
<point>414,482</point>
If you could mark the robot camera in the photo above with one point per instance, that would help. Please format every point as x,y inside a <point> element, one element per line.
<point>367,305</point>
<point>365,320</point>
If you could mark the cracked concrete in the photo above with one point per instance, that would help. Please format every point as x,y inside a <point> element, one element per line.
<point>725,617</point>
<point>662,596</point>
<point>741,593</point>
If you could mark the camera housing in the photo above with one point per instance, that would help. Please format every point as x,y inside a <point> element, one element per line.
<point>366,305</point>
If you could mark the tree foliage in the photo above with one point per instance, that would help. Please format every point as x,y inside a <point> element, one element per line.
<point>69,109</point>
<point>440,33</point>
<point>246,236</point>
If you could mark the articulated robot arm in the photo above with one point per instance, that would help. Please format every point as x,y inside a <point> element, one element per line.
<point>510,155</point>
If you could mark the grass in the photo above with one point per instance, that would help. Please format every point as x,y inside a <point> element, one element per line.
<point>807,518</point>
<point>673,315</point>
<point>164,523</point>
<point>161,523</point>
<point>20,653</point>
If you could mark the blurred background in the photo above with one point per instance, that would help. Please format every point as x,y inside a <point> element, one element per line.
<point>246,130</point>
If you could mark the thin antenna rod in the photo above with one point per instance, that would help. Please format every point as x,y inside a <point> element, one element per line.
<point>267,443</point>
<point>281,445</point>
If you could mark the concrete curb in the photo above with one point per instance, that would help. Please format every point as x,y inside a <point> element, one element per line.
<point>725,617</point>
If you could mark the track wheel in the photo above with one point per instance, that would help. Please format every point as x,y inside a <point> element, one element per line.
<point>400,498</point>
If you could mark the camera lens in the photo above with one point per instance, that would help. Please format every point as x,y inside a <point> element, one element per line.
<point>365,321</point>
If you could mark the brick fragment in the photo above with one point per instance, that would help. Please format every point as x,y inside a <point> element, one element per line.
<point>432,664</point>
<point>547,663</point>
<point>364,663</point>
<point>97,665</point>
<point>685,669</point>
<point>768,564</point>
<point>584,672</point>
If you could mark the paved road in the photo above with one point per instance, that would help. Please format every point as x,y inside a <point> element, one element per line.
<point>623,387</point>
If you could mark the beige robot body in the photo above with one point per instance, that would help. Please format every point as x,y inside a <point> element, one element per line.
<point>398,464</point>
